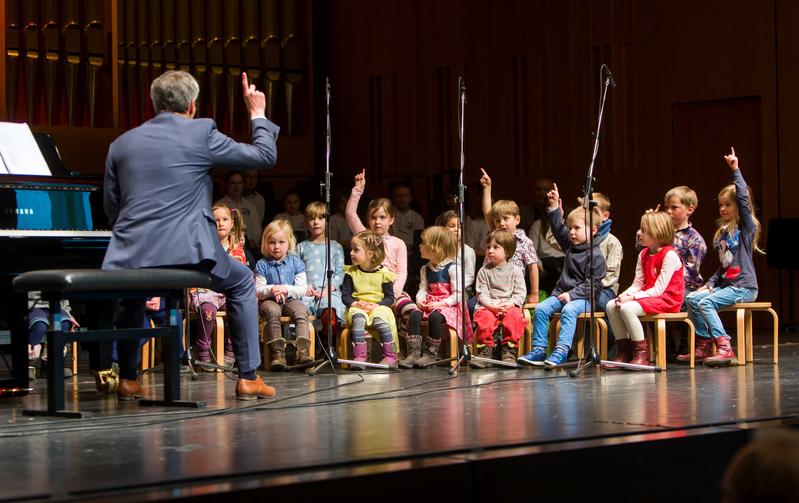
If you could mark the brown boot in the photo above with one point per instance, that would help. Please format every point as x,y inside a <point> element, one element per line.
<point>430,353</point>
<point>303,351</point>
<point>414,343</point>
<point>129,390</point>
<point>704,349</point>
<point>277,348</point>
<point>252,390</point>
<point>509,353</point>
<point>623,354</point>
<point>482,351</point>
<point>640,353</point>
<point>724,354</point>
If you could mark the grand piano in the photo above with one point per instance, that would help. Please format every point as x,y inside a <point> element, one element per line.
<point>53,222</point>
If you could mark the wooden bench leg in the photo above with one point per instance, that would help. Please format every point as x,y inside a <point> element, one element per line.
<point>344,346</point>
<point>660,334</point>
<point>74,362</point>
<point>750,350</point>
<point>740,316</point>
<point>312,335</point>
<point>219,340</point>
<point>691,340</point>
<point>453,346</point>
<point>776,333</point>
<point>601,339</point>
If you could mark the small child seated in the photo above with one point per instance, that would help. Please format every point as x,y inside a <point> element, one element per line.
<point>449,220</point>
<point>38,324</point>
<point>368,293</point>
<point>735,280</point>
<point>500,297</point>
<point>438,298</point>
<point>280,285</point>
<point>206,303</point>
<point>504,214</point>
<point>313,253</point>
<point>572,292</point>
<point>611,250</point>
<point>659,287</point>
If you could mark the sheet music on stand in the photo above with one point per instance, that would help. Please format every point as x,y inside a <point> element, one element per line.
<point>19,152</point>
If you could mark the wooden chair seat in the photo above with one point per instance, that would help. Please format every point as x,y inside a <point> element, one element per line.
<point>743,314</point>
<point>658,353</point>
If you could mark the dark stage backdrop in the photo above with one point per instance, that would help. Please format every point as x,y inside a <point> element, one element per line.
<point>693,79</point>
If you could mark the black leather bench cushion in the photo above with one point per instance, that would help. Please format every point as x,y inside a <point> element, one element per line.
<point>96,280</point>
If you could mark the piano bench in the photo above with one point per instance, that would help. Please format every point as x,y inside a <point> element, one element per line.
<point>95,284</point>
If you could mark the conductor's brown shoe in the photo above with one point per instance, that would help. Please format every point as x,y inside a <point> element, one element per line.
<point>252,390</point>
<point>129,390</point>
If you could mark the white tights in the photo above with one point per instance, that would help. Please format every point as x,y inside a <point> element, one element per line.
<point>624,320</point>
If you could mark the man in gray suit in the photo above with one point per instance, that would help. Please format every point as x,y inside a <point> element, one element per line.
<point>157,195</point>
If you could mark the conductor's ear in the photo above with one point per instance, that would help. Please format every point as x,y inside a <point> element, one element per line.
<point>192,108</point>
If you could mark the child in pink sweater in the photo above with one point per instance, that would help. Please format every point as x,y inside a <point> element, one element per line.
<point>380,217</point>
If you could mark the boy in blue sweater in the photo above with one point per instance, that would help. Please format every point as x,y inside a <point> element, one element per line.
<point>571,294</point>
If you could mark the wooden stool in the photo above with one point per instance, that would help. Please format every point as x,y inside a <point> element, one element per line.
<point>285,321</point>
<point>743,315</point>
<point>600,334</point>
<point>659,348</point>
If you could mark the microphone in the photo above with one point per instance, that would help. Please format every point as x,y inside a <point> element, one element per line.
<point>611,81</point>
<point>462,86</point>
<point>327,88</point>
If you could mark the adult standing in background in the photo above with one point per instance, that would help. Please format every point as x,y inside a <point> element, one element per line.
<point>157,195</point>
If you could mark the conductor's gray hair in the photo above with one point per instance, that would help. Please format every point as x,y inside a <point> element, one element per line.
<point>173,91</point>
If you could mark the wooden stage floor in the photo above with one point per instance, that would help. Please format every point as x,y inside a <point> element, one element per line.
<point>352,421</point>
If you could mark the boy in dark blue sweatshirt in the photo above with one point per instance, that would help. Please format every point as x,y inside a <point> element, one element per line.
<point>571,294</point>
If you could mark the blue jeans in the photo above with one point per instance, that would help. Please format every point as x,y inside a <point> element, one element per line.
<point>568,320</point>
<point>703,308</point>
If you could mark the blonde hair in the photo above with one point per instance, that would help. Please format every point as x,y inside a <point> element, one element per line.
<point>238,226</point>
<point>578,214</point>
<point>504,208</point>
<point>602,201</point>
<point>732,226</point>
<point>315,209</point>
<point>274,227</point>
<point>441,242</point>
<point>684,194</point>
<point>372,243</point>
<point>505,239</point>
<point>658,224</point>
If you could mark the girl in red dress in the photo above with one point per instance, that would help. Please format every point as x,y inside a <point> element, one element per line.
<point>659,287</point>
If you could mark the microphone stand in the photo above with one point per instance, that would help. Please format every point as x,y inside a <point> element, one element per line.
<point>606,81</point>
<point>330,353</point>
<point>464,352</point>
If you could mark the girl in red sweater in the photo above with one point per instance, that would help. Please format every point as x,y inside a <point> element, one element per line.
<point>659,287</point>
